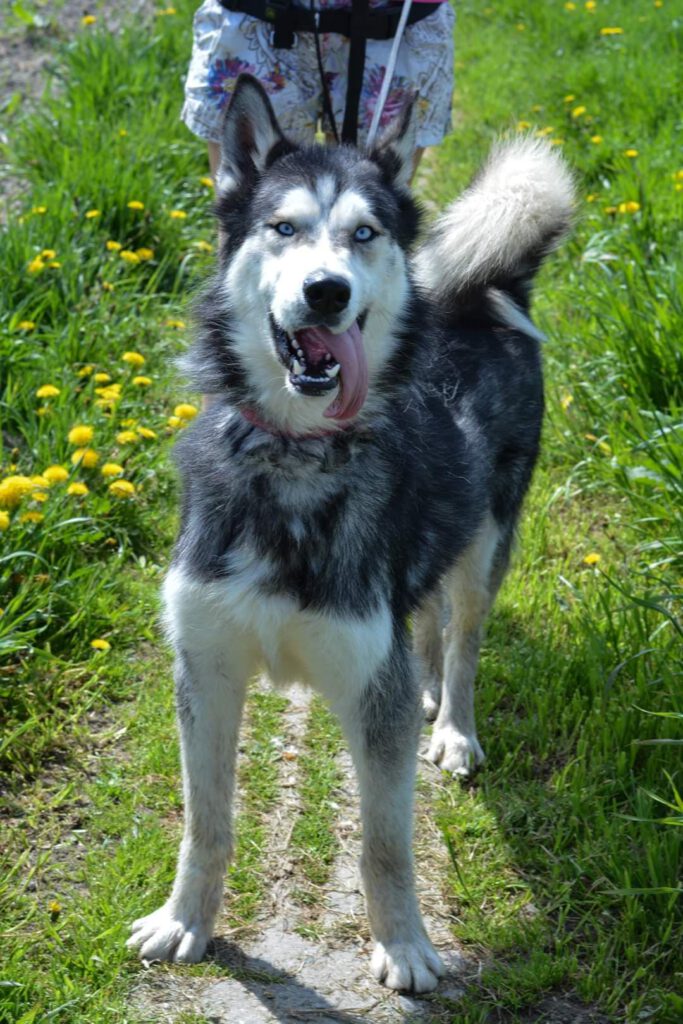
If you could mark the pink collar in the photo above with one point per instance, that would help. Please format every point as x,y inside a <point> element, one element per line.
<point>253,417</point>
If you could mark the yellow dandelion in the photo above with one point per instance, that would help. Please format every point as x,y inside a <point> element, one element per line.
<point>92,214</point>
<point>48,254</point>
<point>38,496</point>
<point>36,265</point>
<point>179,324</point>
<point>145,254</point>
<point>142,382</point>
<point>80,436</point>
<point>135,204</point>
<point>128,256</point>
<point>631,153</point>
<point>121,488</point>
<point>111,469</point>
<point>39,480</point>
<point>557,142</point>
<point>578,111</point>
<point>146,432</point>
<point>4,520</point>
<point>122,133</point>
<point>129,423</point>
<point>591,197</point>
<point>107,286</point>
<point>133,358</point>
<point>206,181</point>
<point>126,437</point>
<point>612,30</point>
<point>178,214</point>
<point>101,378</point>
<point>596,139</point>
<point>629,207</point>
<point>26,325</point>
<point>110,392</point>
<point>47,391</point>
<point>77,489</point>
<point>39,210</point>
<point>569,6</point>
<point>659,3</point>
<point>175,422</point>
<point>114,246</point>
<point>85,371</point>
<point>100,644</point>
<point>31,517</point>
<point>610,209</point>
<point>523,126</point>
<point>592,559</point>
<point>185,411</point>
<point>86,457</point>
<point>203,246</point>
<point>569,98</point>
<point>43,410</point>
<point>88,19</point>
<point>566,401</point>
<point>56,474</point>
<point>542,132</point>
<point>590,5</point>
<point>13,489</point>
<point>678,175</point>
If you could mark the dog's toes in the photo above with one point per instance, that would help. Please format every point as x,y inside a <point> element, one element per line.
<point>408,966</point>
<point>454,752</point>
<point>165,935</point>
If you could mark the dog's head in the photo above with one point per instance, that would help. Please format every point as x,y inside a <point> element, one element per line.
<point>313,267</point>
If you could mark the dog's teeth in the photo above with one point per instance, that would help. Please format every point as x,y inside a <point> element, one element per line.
<point>332,371</point>
<point>297,368</point>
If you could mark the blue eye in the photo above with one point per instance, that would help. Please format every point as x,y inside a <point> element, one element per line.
<point>364,233</point>
<point>284,228</point>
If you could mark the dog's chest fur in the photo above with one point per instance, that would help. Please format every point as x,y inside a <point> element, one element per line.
<point>343,525</point>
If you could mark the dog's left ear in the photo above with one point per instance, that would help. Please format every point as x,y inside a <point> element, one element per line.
<point>250,132</point>
<point>395,149</point>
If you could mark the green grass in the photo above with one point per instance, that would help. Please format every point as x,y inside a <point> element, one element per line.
<point>565,851</point>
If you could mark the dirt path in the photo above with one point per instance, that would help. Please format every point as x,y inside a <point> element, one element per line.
<point>278,975</point>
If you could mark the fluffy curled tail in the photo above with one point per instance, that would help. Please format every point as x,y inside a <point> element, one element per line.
<point>496,234</point>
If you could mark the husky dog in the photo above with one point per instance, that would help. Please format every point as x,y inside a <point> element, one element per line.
<point>373,430</point>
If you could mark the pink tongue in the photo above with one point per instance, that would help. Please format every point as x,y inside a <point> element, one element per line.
<point>347,349</point>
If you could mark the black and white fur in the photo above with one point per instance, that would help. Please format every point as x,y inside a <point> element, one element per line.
<point>306,544</point>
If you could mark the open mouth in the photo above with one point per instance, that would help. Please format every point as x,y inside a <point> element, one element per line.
<point>319,361</point>
<point>313,370</point>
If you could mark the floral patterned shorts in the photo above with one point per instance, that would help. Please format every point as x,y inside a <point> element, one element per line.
<point>227,43</point>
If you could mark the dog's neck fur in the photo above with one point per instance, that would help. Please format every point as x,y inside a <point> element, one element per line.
<point>251,415</point>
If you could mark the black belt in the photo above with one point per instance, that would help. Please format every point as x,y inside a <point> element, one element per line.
<point>286,19</point>
<point>358,23</point>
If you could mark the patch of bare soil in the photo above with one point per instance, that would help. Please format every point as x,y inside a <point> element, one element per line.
<point>27,57</point>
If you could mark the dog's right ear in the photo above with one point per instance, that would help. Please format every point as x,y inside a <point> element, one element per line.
<point>250,133</point>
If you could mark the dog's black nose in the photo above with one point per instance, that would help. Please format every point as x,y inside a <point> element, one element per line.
<point>327,293</point>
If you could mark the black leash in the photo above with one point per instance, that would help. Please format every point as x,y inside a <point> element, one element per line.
<point>327,100</point>
<point>359,24</point>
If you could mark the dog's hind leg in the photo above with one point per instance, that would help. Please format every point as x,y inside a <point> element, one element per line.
<point>210,689</point>
<point>471,587</point>
<point>428,643</point>
<point>382,727</point>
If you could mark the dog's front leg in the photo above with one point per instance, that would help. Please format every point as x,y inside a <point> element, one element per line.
<point>209,697</point>
<point>382,728</point>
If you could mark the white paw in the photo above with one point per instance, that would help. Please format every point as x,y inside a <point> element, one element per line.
<point>168,934</point>
<point>411,966</point>
<point>454,752</point>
